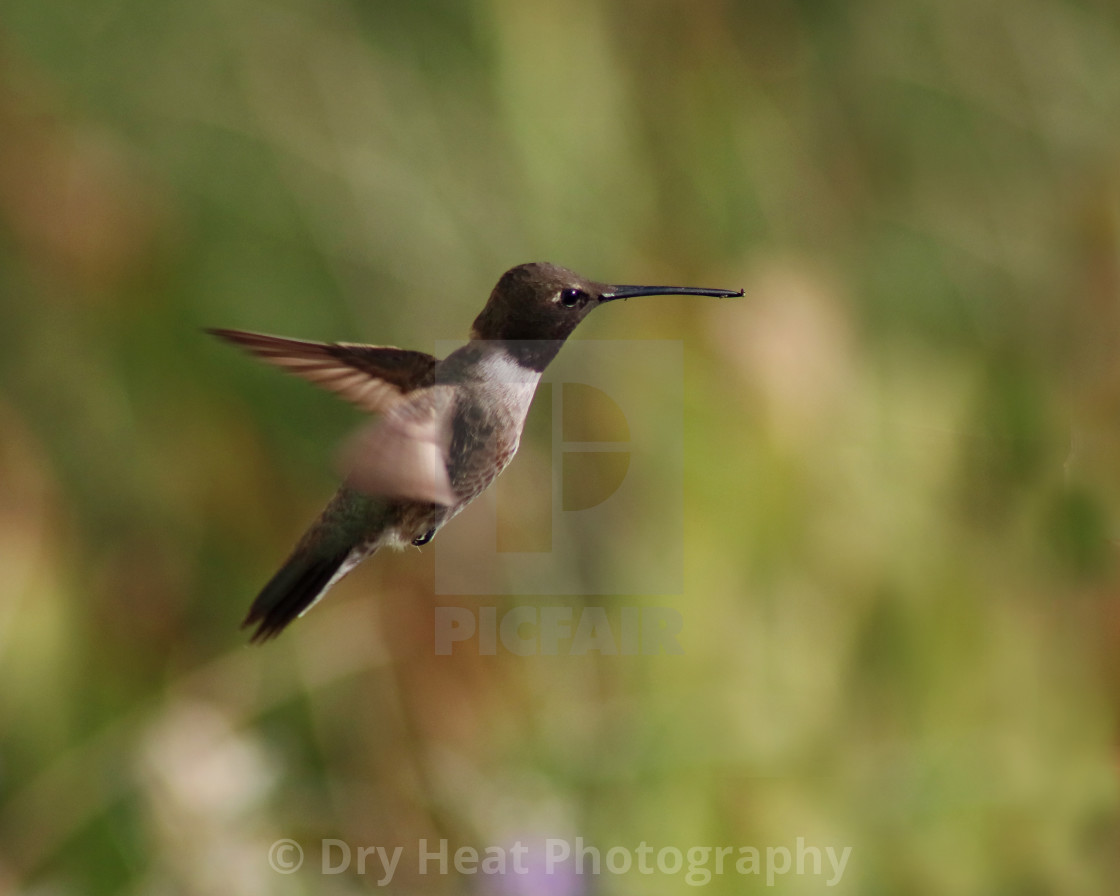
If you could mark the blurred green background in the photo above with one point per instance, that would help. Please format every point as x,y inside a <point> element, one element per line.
<point>901,452</point>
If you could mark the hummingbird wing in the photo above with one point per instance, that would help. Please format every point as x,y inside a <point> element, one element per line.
<point>373,377</point>
<point>404,454</point>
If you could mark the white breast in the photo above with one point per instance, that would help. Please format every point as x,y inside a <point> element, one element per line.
<point>511,385</point>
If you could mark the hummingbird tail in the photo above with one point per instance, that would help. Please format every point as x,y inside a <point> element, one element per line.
<point>301,582</point>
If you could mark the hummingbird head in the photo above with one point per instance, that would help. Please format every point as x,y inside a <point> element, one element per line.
<point>541,301</point>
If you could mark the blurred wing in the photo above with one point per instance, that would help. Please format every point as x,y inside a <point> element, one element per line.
<point>374,377</point>
<point>404,454</point>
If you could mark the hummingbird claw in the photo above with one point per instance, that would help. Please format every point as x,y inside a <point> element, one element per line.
<point>425,538</point>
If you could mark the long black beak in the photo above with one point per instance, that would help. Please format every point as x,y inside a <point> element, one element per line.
<point>632,292</point>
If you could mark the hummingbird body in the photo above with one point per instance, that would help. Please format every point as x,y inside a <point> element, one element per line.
<point>447,428</point>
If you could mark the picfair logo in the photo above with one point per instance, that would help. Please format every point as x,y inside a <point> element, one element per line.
<point>605,516</point>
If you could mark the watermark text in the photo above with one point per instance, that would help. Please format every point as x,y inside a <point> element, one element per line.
<point>697,865</point>
<point>559,630</point>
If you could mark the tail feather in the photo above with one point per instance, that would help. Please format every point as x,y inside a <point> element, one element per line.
<point>301,581</point>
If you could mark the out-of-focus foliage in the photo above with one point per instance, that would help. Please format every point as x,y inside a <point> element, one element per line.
<point>901,452</point>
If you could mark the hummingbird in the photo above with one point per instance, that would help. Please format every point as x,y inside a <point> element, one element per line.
<point>445,428</point>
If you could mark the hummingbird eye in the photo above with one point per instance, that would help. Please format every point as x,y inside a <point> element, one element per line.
<point>569,298</point>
